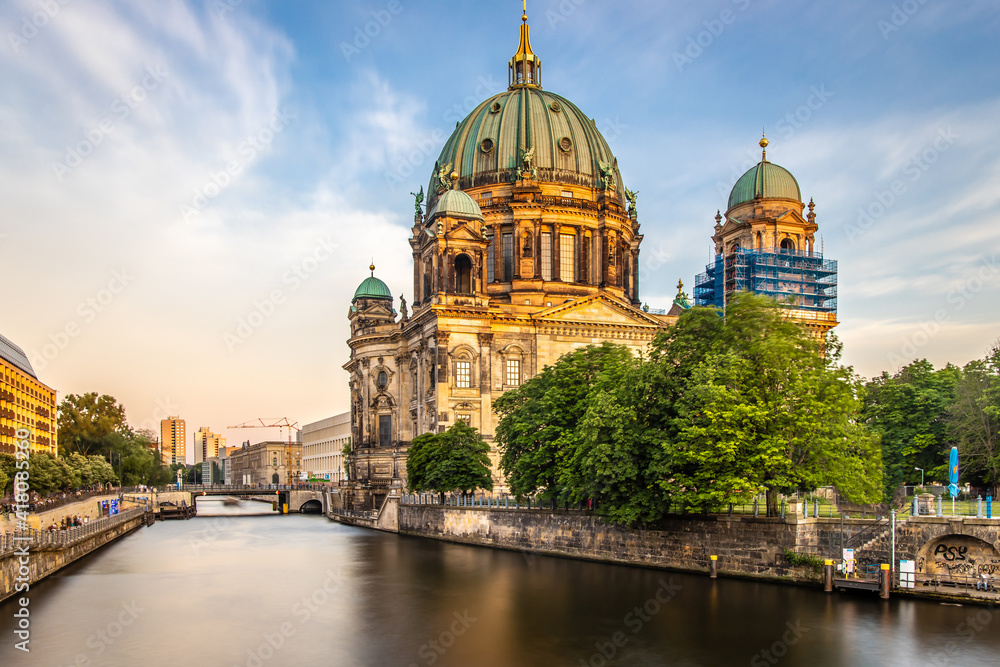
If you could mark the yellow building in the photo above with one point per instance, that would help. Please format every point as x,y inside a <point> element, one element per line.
<point>172,439</point>
<point>25,403</point>
<point>206,444</point>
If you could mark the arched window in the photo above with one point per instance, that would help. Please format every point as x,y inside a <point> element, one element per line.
<point>787,244</point>
<point>463,274</point>
<point>735,247</point>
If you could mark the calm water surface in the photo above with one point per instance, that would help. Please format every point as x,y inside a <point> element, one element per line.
<point>298,590</point>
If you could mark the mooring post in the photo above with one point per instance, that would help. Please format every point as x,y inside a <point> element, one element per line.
<point>713,567</point>
<point>885,581</point>
<point>828,575</point>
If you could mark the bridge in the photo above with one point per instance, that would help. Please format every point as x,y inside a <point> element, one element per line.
<point>289,498</point>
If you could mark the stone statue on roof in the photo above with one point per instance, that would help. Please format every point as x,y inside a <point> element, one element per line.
<point>444,178</point>
<point>418,199</point>
<point>631,196</point>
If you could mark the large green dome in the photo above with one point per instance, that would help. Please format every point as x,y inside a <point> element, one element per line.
<point>485,148</point>
<point>372,288</point>
<point>766,180</point>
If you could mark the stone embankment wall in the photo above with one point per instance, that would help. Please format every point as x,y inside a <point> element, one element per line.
<point>745,546</point>
<point>44,561</point>
<point>89,508</point>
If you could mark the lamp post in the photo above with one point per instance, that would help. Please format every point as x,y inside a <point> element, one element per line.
<point>921,476</point>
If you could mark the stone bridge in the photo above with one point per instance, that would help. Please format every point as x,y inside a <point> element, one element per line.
<point>298,500</point>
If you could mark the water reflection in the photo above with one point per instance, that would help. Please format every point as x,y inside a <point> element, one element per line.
<point>240,589</point>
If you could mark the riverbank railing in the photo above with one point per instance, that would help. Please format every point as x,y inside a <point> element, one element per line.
<point>60,539</point>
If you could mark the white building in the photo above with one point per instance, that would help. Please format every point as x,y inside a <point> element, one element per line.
<point>323,448</point>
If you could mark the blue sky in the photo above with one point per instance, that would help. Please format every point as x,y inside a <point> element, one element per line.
<point>191,191</point>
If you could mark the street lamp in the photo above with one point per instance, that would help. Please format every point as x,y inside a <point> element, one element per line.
<point>921,476</point>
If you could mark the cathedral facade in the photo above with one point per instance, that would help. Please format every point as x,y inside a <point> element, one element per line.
<point>527,248</point>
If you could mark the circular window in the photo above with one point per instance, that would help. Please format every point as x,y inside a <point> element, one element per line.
<point>555,107</point>
<point>495,108</point>
<point>486,146</point>
<point>565,144</point>
<point>383,379</point>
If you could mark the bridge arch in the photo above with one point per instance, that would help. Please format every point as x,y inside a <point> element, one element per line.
<point>312,506</point>
<point>958,555</point>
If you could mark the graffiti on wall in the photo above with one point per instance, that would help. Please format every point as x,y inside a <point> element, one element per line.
<point>958,555</point>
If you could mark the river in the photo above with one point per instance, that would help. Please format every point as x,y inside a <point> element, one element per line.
<point>238,589</point>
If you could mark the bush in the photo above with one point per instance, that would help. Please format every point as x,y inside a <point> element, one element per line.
<point>796,559</point>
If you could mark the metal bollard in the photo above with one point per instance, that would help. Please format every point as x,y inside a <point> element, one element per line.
<point>916,507</point>
<point>885,581</point>
<point>828,575</point>
<point>713,567</point>
<point>940,506</point>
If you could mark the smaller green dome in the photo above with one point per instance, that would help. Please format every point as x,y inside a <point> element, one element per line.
<point>766,180</point>
<point>372,288</point>
<point>457,204</point>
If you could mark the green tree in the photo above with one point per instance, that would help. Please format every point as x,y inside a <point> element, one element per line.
<point>86,421</point>
<point>8,466</point>
<point>537,432</point>
<point>974,419</point>
<point>909,411</point>
<point>49,474</point>
<point>456,460</point>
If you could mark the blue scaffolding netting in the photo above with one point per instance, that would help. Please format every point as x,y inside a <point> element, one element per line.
<point>803,280</point>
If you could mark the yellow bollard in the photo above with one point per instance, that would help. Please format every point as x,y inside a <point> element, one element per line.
<point>713,567</point>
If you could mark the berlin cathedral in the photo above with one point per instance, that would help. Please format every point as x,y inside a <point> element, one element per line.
<point>528,248</point>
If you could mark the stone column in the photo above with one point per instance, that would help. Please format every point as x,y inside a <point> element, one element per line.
<point>556,269</point>
<point>486,383</point>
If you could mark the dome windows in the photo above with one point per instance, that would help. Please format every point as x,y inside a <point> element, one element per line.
<point>555,107</point>
<point>486,146</point>
<point>565,144</point>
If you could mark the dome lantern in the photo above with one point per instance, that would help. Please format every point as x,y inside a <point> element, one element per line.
<point>525,69</point>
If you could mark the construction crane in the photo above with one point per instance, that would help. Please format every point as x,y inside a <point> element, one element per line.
<point>271,423</point>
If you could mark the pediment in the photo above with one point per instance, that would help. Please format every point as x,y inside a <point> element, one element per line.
<point>597,309</point>
<point>791,216</point>
<point>463,233</point>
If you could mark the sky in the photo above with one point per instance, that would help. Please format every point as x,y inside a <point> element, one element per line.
<point>191,191</point>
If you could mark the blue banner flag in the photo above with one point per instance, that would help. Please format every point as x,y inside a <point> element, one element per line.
<point>953,473</point>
